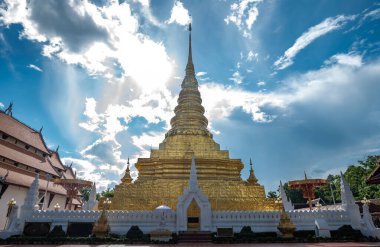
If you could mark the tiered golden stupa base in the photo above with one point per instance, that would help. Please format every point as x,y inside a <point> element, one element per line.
<point>229,195</point>
<point>162,182</point>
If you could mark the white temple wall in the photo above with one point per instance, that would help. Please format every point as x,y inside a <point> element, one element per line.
<point>121,221</point>
<point>16,192</point>
<point>305,220</point>
<point>258,221</point>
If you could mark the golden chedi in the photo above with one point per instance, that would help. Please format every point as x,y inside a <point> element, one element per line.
<point>165,174</point>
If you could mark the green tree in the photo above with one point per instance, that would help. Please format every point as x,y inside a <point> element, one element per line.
<point>325,192</point>
<point>108,193</point>
<point>85,193</point>
<point>355,175</point>
<point>295,195</point>
<point>272,194</point>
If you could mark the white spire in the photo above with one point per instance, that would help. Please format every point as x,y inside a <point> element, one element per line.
<point>193,176</point>
<point>30,199</point>
<point>92,198</point>
<point>288,206</point>
<point>348,203</point>
<point>346,193</point>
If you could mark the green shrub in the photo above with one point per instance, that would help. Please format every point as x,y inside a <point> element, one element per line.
<point>134,233</point>
<point>246,234</point>
<point>57,232</point>
<point>304,234</point>
<point>346,232</point>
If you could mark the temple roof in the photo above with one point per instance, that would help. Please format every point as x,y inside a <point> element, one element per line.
<point>21,157</point>
<point>374,177</point>
<point>69,173</point>
<point>25,179</point>
<point>56,161</point>
<point>22,132</point>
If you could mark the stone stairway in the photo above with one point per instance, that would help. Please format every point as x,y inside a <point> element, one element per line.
<point>194,237</point>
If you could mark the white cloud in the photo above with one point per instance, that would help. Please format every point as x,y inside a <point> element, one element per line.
<point>328,25</point>
<point>148,12</point>
<point>236,77</point>
<point>243,15</point>
<point>79,32</point>
<point>231,98</point>
<point>146,141</point>
<point>252,56</point>
<point>179,14</point>
<point>88,171</point>
<point>80,164</point>
<point>261,83</point>
<point>34,67</point>
<point>374,14</point>
<point>353,60</point>
<point>201,73</point>
<point>1,105</point>
<point>330,83</point>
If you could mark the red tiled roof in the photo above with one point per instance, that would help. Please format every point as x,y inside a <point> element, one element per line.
<point>22,132</point>
<point>25,180</point>
<point>56,161</point>
<point>29,160</point>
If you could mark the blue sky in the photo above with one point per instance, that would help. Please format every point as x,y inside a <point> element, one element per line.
<point>291,84</point>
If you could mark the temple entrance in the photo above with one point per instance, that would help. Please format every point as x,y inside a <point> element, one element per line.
<point>193,216</point>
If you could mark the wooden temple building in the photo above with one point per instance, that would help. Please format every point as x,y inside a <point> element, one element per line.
<point>23,153</point>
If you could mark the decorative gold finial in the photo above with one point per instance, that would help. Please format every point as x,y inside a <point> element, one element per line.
<point>127,176</point>
<point>252,180</point>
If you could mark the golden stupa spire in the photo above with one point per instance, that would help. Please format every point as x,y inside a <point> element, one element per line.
<point>190,72</point>
<point>127,176</point>
<point>252,180</point>
<point>189,118</point>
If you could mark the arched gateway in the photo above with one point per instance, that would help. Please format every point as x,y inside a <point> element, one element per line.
<point>193,208</point>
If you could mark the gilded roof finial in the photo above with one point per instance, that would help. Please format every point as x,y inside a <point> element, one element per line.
<point>190,66</point>
<point>127,176</point>
<point>252,180</point>
<point>9,110</point>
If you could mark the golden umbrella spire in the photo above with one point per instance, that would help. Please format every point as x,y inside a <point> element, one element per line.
<point>252,180</point>
<point>189,118</point>
<point>127,176</point>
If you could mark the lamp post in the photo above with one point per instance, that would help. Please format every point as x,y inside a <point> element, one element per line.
<point>365,201</point>
<point>56,207</point>
<point>318,206</point>
<point>278,201</point>
<point>11,204</point>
